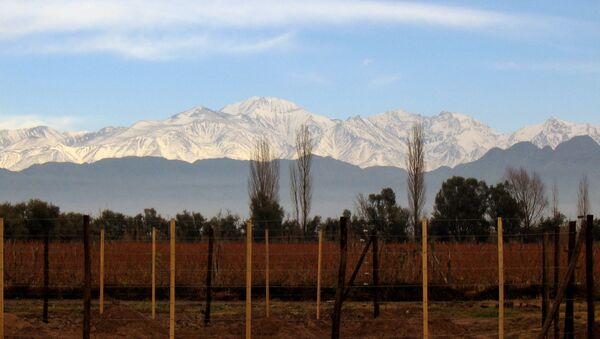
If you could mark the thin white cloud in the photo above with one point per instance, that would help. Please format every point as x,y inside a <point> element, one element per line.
<point>152,29</point>
<point>11,122</point>
<point>367,61</point>
<point>569,67</point>
<point>160,48</point>
<point>384,80</point>
<point>43,16</point>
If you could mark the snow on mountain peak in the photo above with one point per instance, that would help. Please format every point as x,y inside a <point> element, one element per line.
<point>397,114</point>
<point>261,106</point>
<point>190,113</point>
<point>202,133</point>
<point>553,132</point>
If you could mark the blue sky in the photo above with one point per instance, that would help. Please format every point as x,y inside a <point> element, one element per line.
<point>82,65</point>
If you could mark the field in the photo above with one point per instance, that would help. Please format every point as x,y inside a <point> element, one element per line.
<point>462,277</point>
<point>289,320</point>
<point>466,267</point>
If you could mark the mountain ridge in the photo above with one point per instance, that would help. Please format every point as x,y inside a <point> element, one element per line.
<point>209,186</point>
<point>202,133</point>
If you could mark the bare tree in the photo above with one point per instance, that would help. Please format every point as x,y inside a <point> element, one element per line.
<point>263,185</point>
<point>555,211</point>
<point>583,199</point>
<point>415,166</point>
<point>294,192</point>
<point>301,177</point>
<point>529,192</point>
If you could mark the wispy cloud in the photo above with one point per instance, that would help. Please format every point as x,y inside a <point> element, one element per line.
<point>384,80</point>
<point>367,62</point>
<point>8,121</point>
<point>159,29</point>
<point>569,67</point>
<point>159,47</point>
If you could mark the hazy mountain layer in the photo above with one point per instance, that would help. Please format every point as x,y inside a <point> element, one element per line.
<point>131,184</point>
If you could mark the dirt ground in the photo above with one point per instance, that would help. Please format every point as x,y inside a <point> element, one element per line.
<point>288,320</point>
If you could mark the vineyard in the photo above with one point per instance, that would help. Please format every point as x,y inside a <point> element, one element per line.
<point>462,280</point>
<point>461,267</point>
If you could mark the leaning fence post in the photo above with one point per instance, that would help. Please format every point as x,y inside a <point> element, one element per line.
<point>1,278</point>
<point>565,282</point>
<point>267,296</point>
<point>248,279</point>
<point>425,279</point>
<point>172,281</point>
<point>153,272</point>
<point>319,259</point>
<point>209,273</point>
<point>339,292</point>
<point>570,295</point>
<point>87,278</point>
<point>589,274</point>
<point>101,269</point>
<point>500,279</point>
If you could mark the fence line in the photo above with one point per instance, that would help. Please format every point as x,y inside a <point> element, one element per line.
<point>428,261</point>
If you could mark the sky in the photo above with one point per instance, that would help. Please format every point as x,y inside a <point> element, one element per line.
<point>83,65</point>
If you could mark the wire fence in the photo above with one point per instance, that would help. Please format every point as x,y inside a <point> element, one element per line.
<point>462,278</point>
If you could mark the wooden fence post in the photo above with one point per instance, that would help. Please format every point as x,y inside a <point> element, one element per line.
<point>46,271</point>
<point>424,258</point>
<point>564,283</point>
<point>87,278</point>
<point>209,273</point>
<point>556,277</point>
<point>172,235</point>
<point>589,274</point>
<point>1,277</point>
<point>248,279</point>
<point>375,274</point>
<point>153,272</point>
<point>570,293</point>
<point>101,269</point>
<point>500,280</point>
<point>339,292</point>
<point>545,293</point>
<point>319,262</point>
<point>267,296</point>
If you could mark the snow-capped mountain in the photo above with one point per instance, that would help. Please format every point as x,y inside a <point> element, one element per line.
<point>231,132</point>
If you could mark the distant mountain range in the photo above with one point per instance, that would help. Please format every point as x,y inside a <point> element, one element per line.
<point>131,184</point>
<point>202,133</point>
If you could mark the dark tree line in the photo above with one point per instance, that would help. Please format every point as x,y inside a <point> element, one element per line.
<point>467,208</point>
<point>30,220</point>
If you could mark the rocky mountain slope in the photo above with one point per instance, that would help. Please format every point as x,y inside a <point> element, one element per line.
<point>202,133</point>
